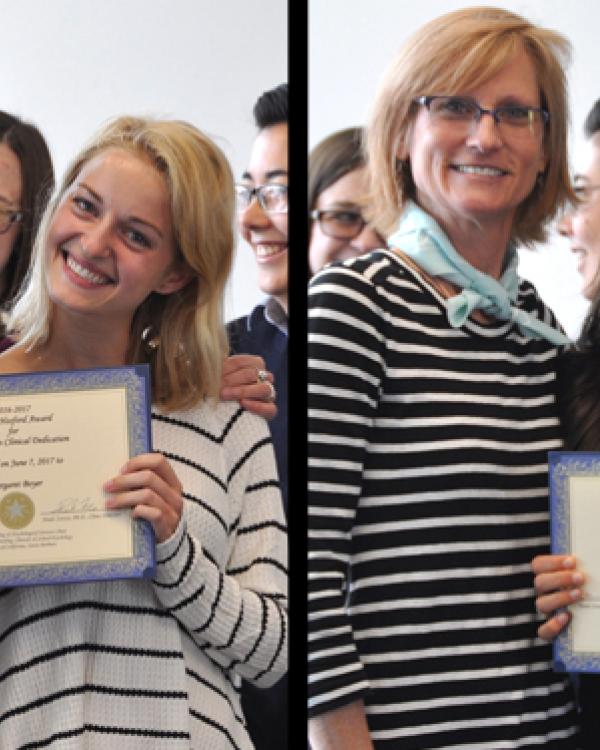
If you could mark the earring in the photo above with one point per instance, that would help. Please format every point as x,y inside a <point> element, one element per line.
<point>151,343</point>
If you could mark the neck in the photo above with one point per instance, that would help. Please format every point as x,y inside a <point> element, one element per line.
<point>77,342</point>
<point>482,244</point>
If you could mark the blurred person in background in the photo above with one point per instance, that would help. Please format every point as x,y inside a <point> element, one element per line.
<point>262,204</point>
<point>337,199</point>
<point>26,182</point>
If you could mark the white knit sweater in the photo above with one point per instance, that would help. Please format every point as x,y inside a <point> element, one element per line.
<point>136,665</point>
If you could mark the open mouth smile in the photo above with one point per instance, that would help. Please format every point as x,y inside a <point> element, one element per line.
<point>95,278</point>
<point>480,171</point>
<point>266,251</point>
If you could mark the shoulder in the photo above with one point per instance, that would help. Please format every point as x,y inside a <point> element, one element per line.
<point>530,300</point>
<point>244,332</point>
<point>219,424</point>
<point>373,268</point>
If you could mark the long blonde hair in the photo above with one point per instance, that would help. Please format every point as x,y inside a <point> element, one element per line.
<point>460,50</point>
<point>188,324</point>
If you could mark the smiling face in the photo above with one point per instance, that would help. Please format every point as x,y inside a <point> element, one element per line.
<point>10,199</point>
<point>482,173</point>
<point>345,194</point>
<point>582,225</point>
<point>267,232</point>
<point>110,243</point>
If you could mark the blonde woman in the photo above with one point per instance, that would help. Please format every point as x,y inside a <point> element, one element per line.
<point>432,397</point>
<point>129,266</point>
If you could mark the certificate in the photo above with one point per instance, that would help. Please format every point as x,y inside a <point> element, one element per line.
<point>575,516</point>
<point>62,436</point>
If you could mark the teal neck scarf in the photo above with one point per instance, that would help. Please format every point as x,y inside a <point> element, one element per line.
<point>423,240</point>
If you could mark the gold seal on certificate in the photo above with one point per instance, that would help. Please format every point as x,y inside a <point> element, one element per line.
<point>62,436</point>
<point>16,510</point>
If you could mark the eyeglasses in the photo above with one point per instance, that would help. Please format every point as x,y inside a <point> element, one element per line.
<point>584,192</point>
<point>272,197</point>
<point>8,217</point>
<point>513,119</point>
<point>339,224</point>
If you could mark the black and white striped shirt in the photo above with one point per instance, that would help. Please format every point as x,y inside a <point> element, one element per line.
<point>428,500</point>
<point>157,664</point>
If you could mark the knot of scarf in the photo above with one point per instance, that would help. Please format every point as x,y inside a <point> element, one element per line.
<point>423,240</point>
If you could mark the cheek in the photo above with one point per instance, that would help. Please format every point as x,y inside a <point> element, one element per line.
<point>321,249</point>
<point>280,222</point>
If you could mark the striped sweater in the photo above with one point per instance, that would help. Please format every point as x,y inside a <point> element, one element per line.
<point>428,500</point>
<point>157,664</point>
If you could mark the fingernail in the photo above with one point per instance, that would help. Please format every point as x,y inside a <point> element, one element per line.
<point>575,594</point>
<point>577,578</point>
<point>562,617</point>
<point>568,562</point>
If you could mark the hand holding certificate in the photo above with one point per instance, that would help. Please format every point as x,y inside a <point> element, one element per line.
<point>62,436</point>
<point>575,507</point>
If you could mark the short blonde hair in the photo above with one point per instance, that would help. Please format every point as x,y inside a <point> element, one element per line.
<point>462,50</point>
<point>186,365</point>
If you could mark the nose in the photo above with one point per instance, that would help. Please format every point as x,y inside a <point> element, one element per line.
<point>253,215</point>
<point>96,240</point>
<point>484,133</point>
<point>565,225</point>
<point>368,240</point>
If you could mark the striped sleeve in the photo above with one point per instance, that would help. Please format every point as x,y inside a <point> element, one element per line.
<point>236,610</point>
<point>345,368</point>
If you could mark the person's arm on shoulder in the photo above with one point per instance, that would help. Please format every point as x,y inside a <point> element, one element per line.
<point>245,379</point>
<point>341,728</point>
<point>557,585</point>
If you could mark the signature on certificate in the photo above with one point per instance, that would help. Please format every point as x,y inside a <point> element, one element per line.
<point>76,505</point>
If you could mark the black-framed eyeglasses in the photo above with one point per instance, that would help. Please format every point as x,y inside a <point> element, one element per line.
<point>272,197</point>
<point>341,224</point>
<point>8,217</point>
<point>514,119</point>
<point>585,192</point>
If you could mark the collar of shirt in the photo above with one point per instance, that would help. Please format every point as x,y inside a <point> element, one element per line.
<point>272,312</point>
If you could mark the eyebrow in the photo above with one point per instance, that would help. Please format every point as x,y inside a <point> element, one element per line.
<point>343,205</point>
<point>271,174</point>
<point>134,219</point>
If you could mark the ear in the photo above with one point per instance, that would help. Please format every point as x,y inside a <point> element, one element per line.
<point>175,280</point>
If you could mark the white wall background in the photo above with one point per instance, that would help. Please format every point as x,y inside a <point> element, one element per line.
<point>351,43</point>
<point>70,65</point>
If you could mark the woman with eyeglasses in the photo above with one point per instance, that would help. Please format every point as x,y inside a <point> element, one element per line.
<point>558,582</point>
<point>432,407</point>
<point>26,180</point>
<point>337,199</point>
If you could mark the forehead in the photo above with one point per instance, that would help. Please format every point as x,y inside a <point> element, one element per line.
<point>350,188</point>
<point>516,77</point>
<point>10,175</point>
<point>269,152</point>
<point>591,160</point>
<point>120,174</point>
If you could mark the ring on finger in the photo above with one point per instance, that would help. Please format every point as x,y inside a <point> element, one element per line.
<point>272,392</point>
<point>261,376</point>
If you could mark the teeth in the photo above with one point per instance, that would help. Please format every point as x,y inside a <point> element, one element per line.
<point>85,273</point>
<point>264,251</point>
<point>489,171</point>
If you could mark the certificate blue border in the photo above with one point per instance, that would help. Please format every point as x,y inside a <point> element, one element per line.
<point>135,379</point>
<point>562,465</point>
